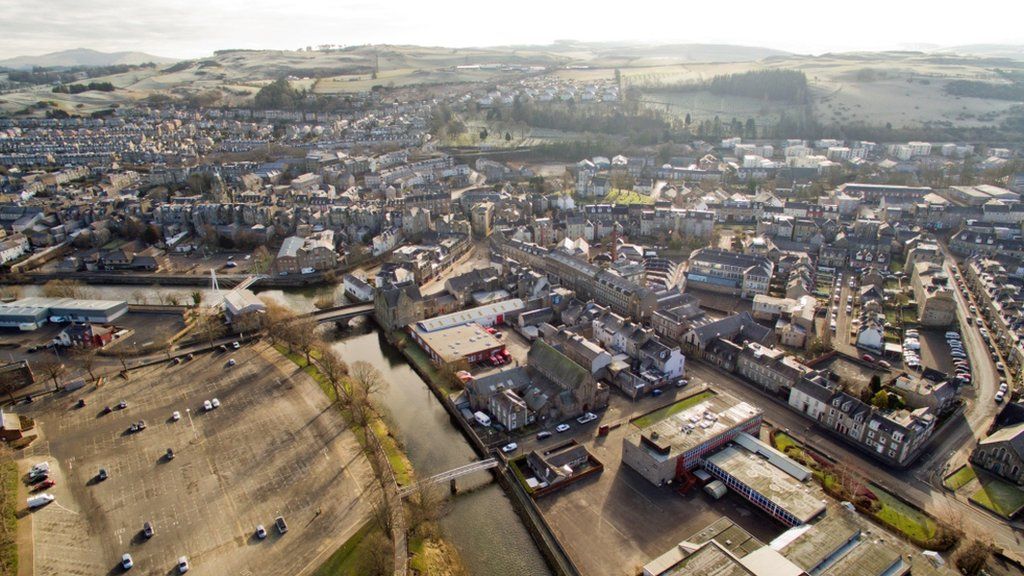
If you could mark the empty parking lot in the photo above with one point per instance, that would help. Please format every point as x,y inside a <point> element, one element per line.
<point>274,447</point>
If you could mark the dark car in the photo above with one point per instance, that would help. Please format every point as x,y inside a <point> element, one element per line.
<point>170,454</point>
<point>81,403</point>
<point>543,435</point>
<point>103,475</point>
<point>147,530</point>
<point>282,527</point>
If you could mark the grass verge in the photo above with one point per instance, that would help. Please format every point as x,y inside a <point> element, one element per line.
<point>904,518</point>
<point>345,561</point>
<point>8,514</point>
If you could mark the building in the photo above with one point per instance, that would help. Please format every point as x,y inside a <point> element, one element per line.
<point>85,336</point>
<point>510,410</point>
<point>764,481</point>
<point>10,426</point>
<point>303,255</point>
<point>481,218</point>
<point>576,389</point>
<point>716,270</point>
<point>31,313</point>
<point>486,315</point>
<point>243,310</point>
<point>458,345</point>
<point>893,436</point>
<point>665,445</point>
<point>558,464</point>
<point>933,291</point>
<point>769,368</point>
<point>1002,453</point>
<point>399,306</point>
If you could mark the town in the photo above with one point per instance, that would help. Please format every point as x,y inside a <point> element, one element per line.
<point>248,339</point>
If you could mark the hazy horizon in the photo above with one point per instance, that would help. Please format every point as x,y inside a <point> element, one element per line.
<point>190,28</point>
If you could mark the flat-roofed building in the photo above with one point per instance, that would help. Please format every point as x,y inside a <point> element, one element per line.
<point>463,342</point>
<point>31,313</point>
<point>666,444</point>
<point>766,486</point>
<point>716,270</point>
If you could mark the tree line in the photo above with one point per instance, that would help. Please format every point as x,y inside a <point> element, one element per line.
<point>79,88</point>
<point>779,85</point>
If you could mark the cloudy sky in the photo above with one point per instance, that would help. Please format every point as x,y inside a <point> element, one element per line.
<point>191,28</point>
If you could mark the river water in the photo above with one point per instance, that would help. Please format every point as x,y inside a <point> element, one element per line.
<point>480,522</point>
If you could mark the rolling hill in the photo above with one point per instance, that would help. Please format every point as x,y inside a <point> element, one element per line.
<point>82,57</point>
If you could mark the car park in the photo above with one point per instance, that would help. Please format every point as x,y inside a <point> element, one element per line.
<point>562,428</point>
<point>510,447</point>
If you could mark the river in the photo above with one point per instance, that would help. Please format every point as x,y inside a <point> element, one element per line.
<point>480,522</point>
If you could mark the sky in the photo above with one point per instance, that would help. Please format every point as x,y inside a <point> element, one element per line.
<point>194,28</point>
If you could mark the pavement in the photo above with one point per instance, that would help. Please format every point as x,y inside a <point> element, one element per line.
<point>274,447</point>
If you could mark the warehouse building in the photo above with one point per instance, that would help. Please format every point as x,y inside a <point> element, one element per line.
<point>665,445</point>
<point>31,313</point>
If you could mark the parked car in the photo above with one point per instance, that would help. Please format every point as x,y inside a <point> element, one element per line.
<point>169,454</point>
<point>867,358</point>
<point>182,564</point>
<point>207,405</point>
<point>126,561</point>
<point>884,364</point>
<point>215,403</point>
<point>175,416</point>
<point>261,532</point>
<point>122,405</point>
<point>281,525</point>
<point>102,475</point>
<point>543,434</point>
<point>562,428</point>
<point>587,417</point>
<point>231,362</point>
<point>147,529</point>
<point>47,483</point>
<point>236,345</point>
<point>999,397</point>
<point>1000,367</point>
<point>510,447</point>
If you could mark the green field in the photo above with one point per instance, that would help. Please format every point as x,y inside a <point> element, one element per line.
<point>903,518</point>
<point>675,408</point>
<point>960,478</point>
<point>998,496</point>
<point>8,514</point>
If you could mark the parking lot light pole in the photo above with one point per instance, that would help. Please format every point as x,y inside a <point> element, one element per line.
<point>188,411</point>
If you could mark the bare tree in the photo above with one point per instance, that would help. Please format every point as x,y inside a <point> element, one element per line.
<point>383,515</point>
<point>378,559</point>
<point>303,332</point>
<point>334,369</point>
<point>87,358</point>
<point>210,327</point>
<point>972,557</point>
<point>64,289</point>
<point>54,370</point>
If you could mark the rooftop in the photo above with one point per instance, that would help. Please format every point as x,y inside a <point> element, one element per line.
<point>770,481</point>
<point>457,342</point>
<point>688,423</point>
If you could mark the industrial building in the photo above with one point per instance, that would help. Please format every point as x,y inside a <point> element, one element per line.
<point>665,445</point>
<point>487,315</point>
<point>31,313</point>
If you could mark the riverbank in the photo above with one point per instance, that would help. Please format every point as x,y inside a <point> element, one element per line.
<point>556,557</point>
<point>419,545</point>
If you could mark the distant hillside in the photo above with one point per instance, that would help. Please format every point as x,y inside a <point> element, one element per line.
<point>678,52</point>
<point>82,57</point>
<point>1014,51</point>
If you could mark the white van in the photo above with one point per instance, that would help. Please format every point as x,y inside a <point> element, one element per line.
<point>481,418</point>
